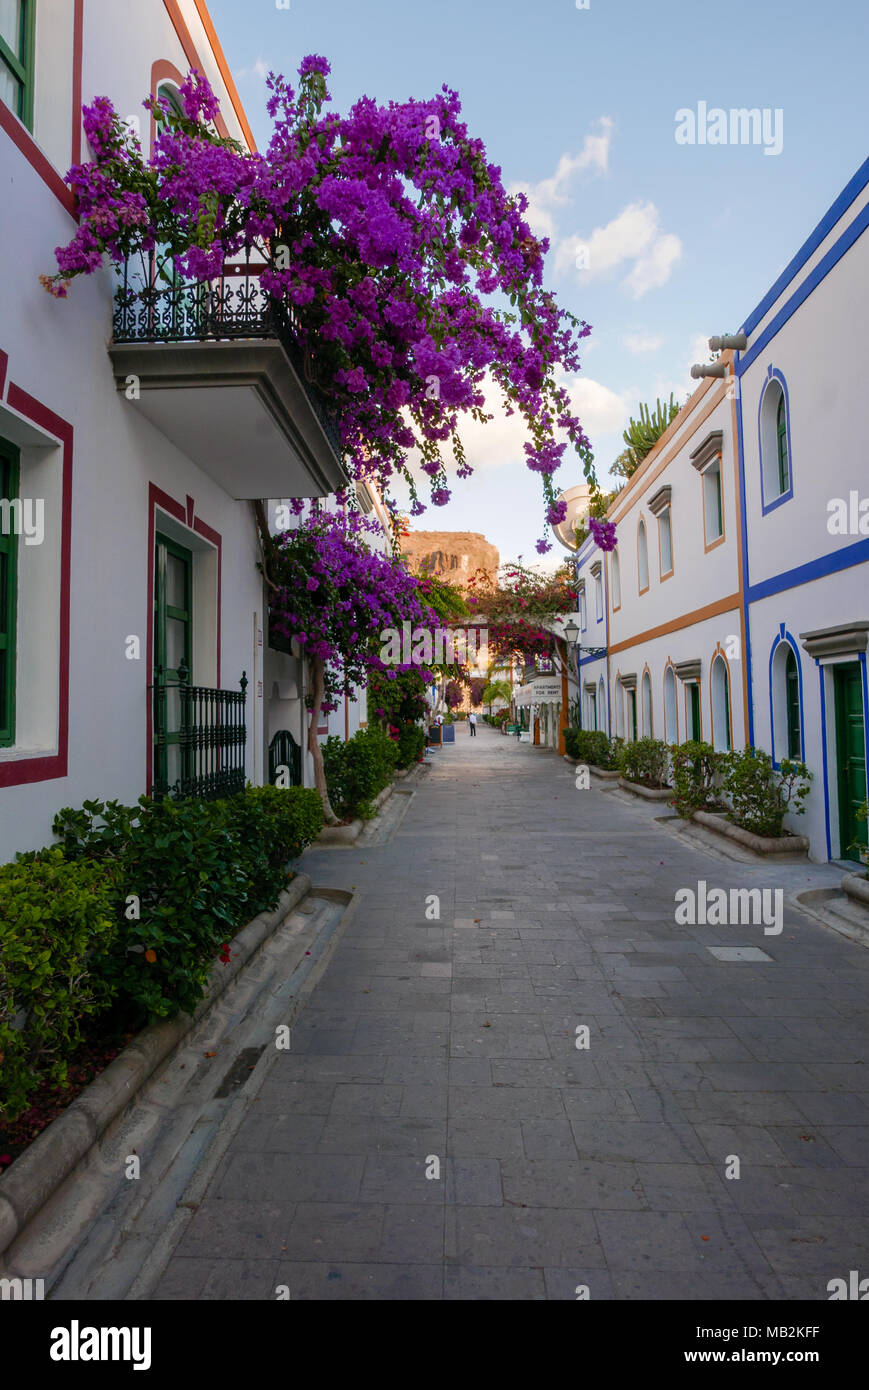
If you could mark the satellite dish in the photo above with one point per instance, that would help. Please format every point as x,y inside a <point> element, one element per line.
<point>577,499</point>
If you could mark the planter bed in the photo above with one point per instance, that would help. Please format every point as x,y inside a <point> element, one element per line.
<point>606,774</point>
<point>648,793</point>
<point>759,844</point>
<point>42,1168</point>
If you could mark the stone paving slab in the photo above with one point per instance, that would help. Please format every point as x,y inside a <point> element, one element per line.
<point>434,1131</point>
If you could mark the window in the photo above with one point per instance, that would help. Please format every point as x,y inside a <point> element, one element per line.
<point>617,579</point>
<point>598,598</point>
<point>774,440</point>
<point>583,615</point>
<point>9,473</point>
<point>592,709</point>
<point>16,57</point>
<point>166,92</point>
<point>785,704</point>
<point>642,557</point>
<point>671,730</point>
<point>720,705</point>
<point>173,652</point>
<point>647,705</point>
<point>694,721</point>
<point>601,703</point>
<point>781,429</point>
<point>792,695</point>
<point>713,517</point>
<point>665,543</point>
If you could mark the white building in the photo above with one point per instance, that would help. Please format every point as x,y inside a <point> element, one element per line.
<point>145,564</point>
<point>735,607</point>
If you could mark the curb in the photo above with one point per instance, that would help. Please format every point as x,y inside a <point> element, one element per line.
<point>347,834</point>
<point>856,886</point>
<point>760,844</point>
<point>37,1173</point>
<point>605,774</point>
<point>648,793</point>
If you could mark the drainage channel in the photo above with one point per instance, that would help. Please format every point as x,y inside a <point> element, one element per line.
<point>179,1126</point>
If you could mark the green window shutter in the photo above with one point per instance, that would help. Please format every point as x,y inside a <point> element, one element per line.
<point>792,689</point>
<point>9,475</point>
<point>781,426</point>
<point>16,58</point>
<point>718,512</point>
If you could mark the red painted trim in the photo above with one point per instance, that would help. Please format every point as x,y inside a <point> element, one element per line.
<point>4,363</point>
<point>211,35</point>
<point>158,498</point>
<point>190,52</point>
<point>77,45</point>
<point>27,770</point>
<point>23,140</point>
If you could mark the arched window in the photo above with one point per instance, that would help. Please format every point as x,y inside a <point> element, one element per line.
<point>616,572</point>
<point>642,557</point>
<point>720,705</point>
<point>781,430</point>
<point>168,92</point>
<point>785,702</point>
<point>647,705</point>
<point>671,725</point>
<point>774,441</point>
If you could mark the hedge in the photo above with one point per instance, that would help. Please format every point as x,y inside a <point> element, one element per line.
<point>356,770</point>
<point>130,912</point>
<point>591,746</point>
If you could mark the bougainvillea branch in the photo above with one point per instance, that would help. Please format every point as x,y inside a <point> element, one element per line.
<point>413,277</point>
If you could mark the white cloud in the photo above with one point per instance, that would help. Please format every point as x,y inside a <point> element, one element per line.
<point>642,342</point>
<point>260,69</point>
<point>634,235</point>
<point>554,192</point>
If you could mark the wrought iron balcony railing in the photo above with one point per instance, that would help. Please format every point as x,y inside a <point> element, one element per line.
<point>229,309</point>
<point>199,739</point>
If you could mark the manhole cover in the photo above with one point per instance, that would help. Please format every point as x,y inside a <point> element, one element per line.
<point>738,953</point>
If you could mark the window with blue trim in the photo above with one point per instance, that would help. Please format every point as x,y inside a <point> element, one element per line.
<point>774,440</point>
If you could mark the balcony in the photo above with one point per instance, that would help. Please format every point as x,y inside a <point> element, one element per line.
<point>199,739</point>
<point>216,366</point>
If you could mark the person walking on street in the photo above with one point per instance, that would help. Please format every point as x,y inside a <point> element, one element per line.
<point>472,724</point>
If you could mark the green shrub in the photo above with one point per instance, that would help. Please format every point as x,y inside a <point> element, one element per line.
<point>55,920</point>
<point>356,770</point>
<point>760,796</point>
<point>411,742</point>
<point>644,760</point>
<point>272,825</point>
<point>591,746</point>
<point>695,770</point>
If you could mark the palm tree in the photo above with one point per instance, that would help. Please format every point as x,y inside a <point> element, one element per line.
<point>496,690</point>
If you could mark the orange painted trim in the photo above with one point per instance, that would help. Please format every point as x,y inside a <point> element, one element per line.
<point>740,568</point>
<point>699,615</point>
<point>190,53</point>
<point>219,58</point>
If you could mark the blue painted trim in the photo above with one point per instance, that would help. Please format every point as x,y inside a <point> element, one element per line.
<point>837,210</point>
<point>833,563</point>
<point>824,755</point>
<point>811,282</point>
<point>773,374</point>
<point>743,546</point>
<point>787,638</point>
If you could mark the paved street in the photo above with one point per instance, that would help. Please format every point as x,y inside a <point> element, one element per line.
<point>455,1040</point>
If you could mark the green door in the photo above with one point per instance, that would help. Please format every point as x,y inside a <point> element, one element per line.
<point>632,711</point>
<point>173,647</point>
<point>850,756</point>
<point>694,697</point>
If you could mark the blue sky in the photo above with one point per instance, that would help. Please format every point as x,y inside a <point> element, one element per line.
<point>578,106</point>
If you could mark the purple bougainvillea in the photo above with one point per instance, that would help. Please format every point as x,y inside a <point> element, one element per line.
<point>411,274</point>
